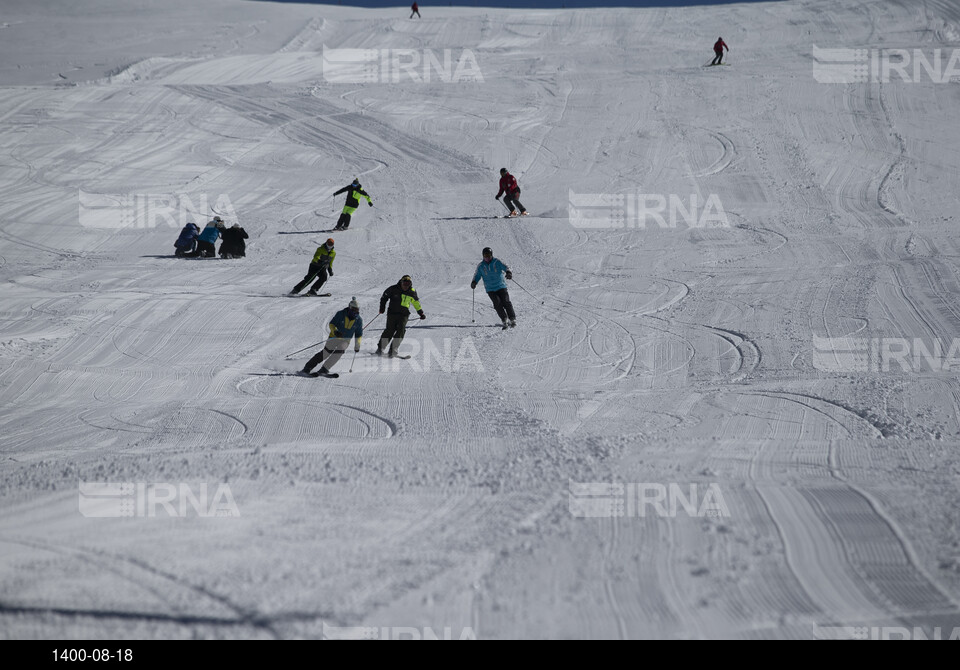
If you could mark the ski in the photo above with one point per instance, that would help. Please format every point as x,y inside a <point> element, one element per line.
<point>307,295</point>
<point>400,356</point>
<point>331,375</point>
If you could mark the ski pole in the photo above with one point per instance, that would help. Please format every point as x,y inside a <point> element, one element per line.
<point>504,205</point>
<point>526,291</point>
<point>473,306</point>
<point>304,349</point>
<point>355,352</point>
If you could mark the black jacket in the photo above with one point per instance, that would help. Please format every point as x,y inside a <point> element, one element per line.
<point>352,200</point>
<point>233,242</point>
<point>400,300</point>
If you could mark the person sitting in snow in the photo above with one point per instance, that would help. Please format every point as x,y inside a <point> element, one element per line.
<point>187,241</point>
<point>206,242</point>
<point>233,242</point>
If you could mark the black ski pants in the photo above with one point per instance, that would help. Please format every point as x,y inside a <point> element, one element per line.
<point>343,222</point>
<point>395,330</point>
<point>317,271</point>
<point>203,250</point>
<point>512,200</point>
<point>501,303</point>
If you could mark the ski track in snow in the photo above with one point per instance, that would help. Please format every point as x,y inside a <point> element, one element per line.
<point>435,491</point>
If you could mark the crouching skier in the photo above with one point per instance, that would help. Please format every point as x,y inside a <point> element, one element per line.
<point>346,324</point>
<point>187,241</point>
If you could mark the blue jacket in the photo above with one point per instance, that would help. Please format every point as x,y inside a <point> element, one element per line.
<point>187,236</point>
<point>492,274</point>
<point>341,325</point>
<point>210,234</point>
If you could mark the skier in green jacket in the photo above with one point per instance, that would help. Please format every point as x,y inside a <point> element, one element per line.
<point>353,201</point>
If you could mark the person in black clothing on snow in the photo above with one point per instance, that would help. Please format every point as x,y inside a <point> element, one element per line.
<point>353,201</point>
<point>233,245</point>
<point>401,297</point>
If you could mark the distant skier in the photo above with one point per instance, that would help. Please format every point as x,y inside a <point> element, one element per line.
<point>401,297</point>
<point>511,193</point>
<point>416,10</point>
<point>346,324</point>
<point>352,191</point>
<point>233,242</point>
<point>187,241</point>
<point>718,50</point>
<point>321,264</point>
<point>493,271</point>
<point>208,238</point>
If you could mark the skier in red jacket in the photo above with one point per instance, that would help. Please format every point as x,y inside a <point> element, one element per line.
<point>718,50</point>
<point>416,10</point>
<point>511,193</point>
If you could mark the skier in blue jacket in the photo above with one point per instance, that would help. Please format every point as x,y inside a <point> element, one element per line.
<point>207,239</point>
<point>493,271</point>
<point>345,325</point>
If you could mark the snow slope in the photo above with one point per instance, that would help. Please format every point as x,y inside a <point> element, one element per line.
<point>428,495</point>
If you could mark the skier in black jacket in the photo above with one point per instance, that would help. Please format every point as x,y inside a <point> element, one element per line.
<point>353,191</point>
<point>401,297</point>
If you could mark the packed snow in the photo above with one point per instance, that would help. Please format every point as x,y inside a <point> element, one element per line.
<point>704,426</point>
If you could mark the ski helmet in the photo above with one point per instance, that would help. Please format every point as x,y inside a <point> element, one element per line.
<point>503,171</point>
<point>330,243</point>
<point>487,251</point>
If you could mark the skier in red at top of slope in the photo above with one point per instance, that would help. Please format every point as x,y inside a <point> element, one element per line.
<point>416,10</point>
<point>511,193</point>
<point>718,50</point>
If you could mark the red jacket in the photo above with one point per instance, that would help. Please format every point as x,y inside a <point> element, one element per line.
<point>508,185</point>
<point>720,45</point>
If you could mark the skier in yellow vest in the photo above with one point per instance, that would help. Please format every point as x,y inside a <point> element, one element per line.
<point>353,192</point>
<point>321,264</point>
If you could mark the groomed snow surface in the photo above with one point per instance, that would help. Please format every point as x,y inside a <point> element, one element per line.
<point>459,492</point>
